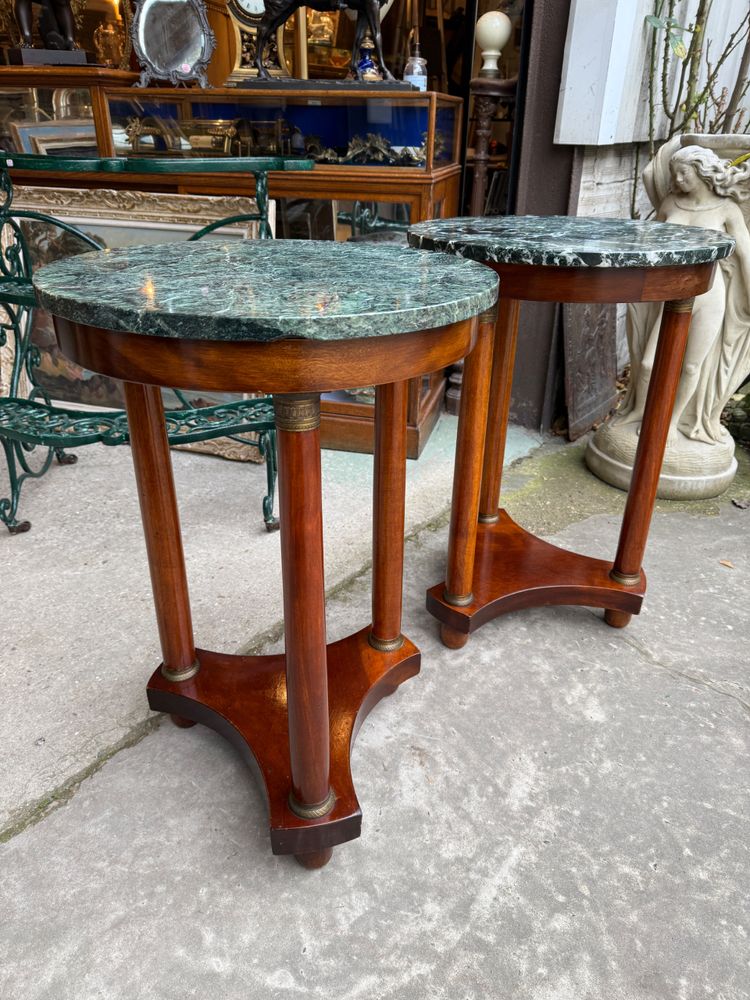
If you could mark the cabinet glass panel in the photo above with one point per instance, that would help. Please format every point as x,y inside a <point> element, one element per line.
<point>56,121</point>
<point>340,129</point>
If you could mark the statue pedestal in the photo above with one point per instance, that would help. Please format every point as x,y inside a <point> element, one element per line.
<point>692,470</point>
<point>46,57</point>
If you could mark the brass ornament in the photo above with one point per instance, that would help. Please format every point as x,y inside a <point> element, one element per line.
<point>489,315</point>
<point>458,600</point>
<point>297,411</point>
<point>626,579</point>
<point>679,306</point>
<point>385,645</point>
<point>176,676</point>
<point>314,811</point>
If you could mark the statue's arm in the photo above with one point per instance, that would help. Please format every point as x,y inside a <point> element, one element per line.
<point>737,227</point>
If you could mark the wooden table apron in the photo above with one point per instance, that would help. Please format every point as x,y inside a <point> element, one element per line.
<point>294,715</point>
<point>494,565</point>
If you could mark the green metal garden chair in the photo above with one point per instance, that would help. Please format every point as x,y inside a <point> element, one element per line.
<point>30,422</point>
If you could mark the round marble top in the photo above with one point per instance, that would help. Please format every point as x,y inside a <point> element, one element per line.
<point>265,290</point>
<point>570,241</point>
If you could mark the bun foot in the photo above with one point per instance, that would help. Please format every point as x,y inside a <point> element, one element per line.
<point>182,722</point>
<point>617,619</point>
<point>453,639</point>
<point>318,859</point>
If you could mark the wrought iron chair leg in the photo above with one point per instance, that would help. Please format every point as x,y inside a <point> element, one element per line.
<point>63,458</point>
<point>9,505</point>
<point>267,447</point>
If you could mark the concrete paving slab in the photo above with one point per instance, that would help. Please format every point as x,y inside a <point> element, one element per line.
<point>77,633</point>
<point>552,813</point>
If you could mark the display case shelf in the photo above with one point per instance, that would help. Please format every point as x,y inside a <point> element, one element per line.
<point>392,147</point>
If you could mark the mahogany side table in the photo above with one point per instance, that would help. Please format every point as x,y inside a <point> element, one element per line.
<point>292,318</point>
<point>494,565</point>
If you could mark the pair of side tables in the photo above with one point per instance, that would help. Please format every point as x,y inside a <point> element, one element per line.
<point>296,319</point>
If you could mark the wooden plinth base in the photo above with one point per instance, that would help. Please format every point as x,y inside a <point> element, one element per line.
<point>515,569</point>
<point>244,699</point>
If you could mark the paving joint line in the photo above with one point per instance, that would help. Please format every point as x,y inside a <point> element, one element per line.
<point>645,654</point>
<point>42,807</point>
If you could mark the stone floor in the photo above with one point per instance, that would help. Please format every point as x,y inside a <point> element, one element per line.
<point>559,811</point>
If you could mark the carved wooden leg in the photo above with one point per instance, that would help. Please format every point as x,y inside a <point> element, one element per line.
<point>503,358</point>
<point>300,513</point>
<point>467,476</point>
<point>665,379</point>
<point>388,515</point>
<point>161,527</point>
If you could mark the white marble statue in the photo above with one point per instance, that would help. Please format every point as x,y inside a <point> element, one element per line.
<point>690,184</point>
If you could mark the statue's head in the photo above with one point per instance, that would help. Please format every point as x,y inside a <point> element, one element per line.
<point>692,166</point>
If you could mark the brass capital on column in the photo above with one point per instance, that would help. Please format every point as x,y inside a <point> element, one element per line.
<point>489,315</point>
<point>297,411</point>
<point>679,305</point>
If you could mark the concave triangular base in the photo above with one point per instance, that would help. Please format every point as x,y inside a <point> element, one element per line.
<point>514,569</point>
<point>244,699</point>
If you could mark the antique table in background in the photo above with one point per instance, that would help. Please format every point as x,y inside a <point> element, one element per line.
<point>292,318</point>
<point>494,565</point>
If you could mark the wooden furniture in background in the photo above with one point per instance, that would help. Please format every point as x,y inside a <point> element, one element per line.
<point>429,191</point>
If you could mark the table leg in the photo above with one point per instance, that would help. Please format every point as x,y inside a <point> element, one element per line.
<point>161,526</point>
<point>300,514</point>
<point>503,359</point>
<point>467,476</point>
<point>639,507</point>
<point>294,716</point>
<point>388,515</point>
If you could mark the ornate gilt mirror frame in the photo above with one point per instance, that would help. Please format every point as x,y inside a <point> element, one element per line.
<point>175,72</point>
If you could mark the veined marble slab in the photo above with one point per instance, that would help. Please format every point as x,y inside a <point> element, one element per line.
<point>265,290</point>
<point>570,241</point>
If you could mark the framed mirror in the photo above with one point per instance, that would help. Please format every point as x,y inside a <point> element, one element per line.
<point>172,41</point>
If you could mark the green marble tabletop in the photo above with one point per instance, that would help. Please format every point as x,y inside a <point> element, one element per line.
<point>570,241</point>
<point>265,289</point>
<point>153,164</point>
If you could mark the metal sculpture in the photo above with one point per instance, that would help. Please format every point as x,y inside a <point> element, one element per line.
<point>56,25</point>
<point>368,13</point>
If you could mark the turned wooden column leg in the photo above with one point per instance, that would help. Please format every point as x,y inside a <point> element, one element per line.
<point>161,526</point>
<point>467,475</point>
<point>665,379</point>
<point>301,517</point>
<point>388,515</point>
<point>503,358</point>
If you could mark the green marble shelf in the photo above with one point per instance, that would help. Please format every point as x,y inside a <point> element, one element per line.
<point>265,290</point>
<point>563,241</point>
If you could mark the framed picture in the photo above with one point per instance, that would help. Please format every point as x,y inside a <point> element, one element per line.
<point>74,134</point>
<point>64,147</point>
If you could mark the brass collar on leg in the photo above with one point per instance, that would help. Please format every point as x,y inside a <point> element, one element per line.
<point>457,600</point>
<point>314,811</point>
<point>175,676</point>
<point>679,305</point>
<point>385,645</point>
<point>626,579</point>
<point>297,411</point>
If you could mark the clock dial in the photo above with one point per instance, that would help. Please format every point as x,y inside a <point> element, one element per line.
<point>248,12</point>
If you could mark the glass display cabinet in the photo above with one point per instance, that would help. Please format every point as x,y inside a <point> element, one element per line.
<point>384,158</point>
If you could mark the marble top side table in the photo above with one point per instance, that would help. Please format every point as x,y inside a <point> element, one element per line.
<point>494,565</point>
<point>291,318</point>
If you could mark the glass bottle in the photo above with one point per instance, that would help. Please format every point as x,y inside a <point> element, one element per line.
<point>415,70</point>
